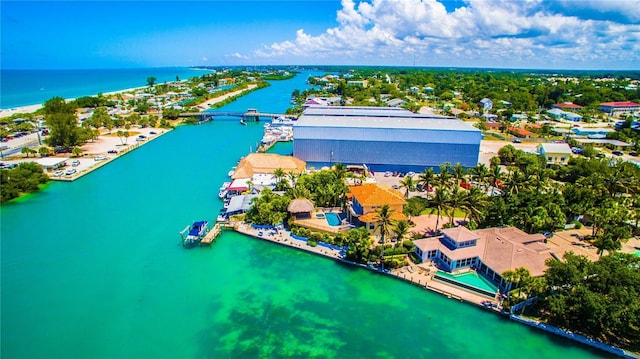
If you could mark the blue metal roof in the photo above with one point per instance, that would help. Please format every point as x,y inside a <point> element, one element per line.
<point>377,118</point>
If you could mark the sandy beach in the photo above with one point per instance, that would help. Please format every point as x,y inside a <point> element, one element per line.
<point>106,148</point>
<point>33,108</point>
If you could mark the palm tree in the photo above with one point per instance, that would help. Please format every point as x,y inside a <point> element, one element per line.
<point>456,198</point>
<point>383,225</point>
<point>426,179</point>
<point>440,201</point>
<point>340,171</point>
<point>408,184</point>
<point>278,173</point>
<point>480,173</point>
<point>473,203</point>
<point>459,173</point>
<point>401,229</point>
<point>495,177</point>
<point>445,175</point>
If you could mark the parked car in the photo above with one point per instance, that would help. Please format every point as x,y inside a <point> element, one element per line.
<point>99,158</point>
<point>75,163</point>
<point>635,154</point>
<point>58,173</point>
<point>152,133</point>
<point>70,171</point>
<point>112,152</point>
<point>617,153</point>
<point>515,140</point>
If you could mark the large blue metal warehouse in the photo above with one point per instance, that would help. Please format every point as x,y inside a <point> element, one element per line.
<point>384,139</point>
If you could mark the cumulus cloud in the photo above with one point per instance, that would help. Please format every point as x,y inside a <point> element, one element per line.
<point>205,59</point>
<point>527,33</point>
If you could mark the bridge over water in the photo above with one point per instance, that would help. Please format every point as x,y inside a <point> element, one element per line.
<point>249,115</point>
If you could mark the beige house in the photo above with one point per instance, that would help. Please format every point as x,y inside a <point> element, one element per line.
<point>555,153</point>
<point>490,251</point>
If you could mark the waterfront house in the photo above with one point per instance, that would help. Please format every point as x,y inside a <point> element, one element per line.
<point>366,198</point>
<point>490,251</point>
<point>240,204</point>
<point>555,153</point>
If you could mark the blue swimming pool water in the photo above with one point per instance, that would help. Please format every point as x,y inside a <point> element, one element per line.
<point>333,219</point>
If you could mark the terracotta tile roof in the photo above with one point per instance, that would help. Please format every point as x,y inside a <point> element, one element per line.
<point>372,194</point>
<point>568,105</point>
<point>520,131</point>
<point>267,163</point>
<point>372,217</point>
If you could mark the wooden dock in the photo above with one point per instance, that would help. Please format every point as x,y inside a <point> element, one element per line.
<point>211,235</point>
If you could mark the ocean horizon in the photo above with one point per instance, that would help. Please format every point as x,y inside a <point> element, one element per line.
<point>33,87</point>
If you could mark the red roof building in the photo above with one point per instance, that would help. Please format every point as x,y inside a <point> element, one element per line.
<point>619,107</point>
<point>567,106</point>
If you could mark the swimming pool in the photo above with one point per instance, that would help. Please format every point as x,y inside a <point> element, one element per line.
<point>469,280</point>
<point>333,219</point>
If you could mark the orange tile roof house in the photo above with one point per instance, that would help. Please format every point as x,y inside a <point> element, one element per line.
<point>490,251</point>
<point>366,198</point>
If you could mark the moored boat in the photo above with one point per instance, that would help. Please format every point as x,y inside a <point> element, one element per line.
<point>194,234</point>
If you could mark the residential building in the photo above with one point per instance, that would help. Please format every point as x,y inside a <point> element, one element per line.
<point>486,104</point>
<point>620,107</point>
<point>367,198</point>
<point>570,106</point>
<point>560,114</point>
<point>555,153</point>
<point>490,251</point>
<point>383,138</point>
<point>361,83</point>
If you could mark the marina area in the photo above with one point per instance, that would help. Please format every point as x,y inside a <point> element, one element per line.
<point>244,298</point>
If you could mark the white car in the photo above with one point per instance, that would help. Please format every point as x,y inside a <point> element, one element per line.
<point>99,158</point>
<point>58,173</point>
<point>70,171</point>
<point>75,163</point>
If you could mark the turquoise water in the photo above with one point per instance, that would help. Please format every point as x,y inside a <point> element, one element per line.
<point>472,279</point>
<point>30,87</point>
<point>95,268</point>
<point>332,219</point>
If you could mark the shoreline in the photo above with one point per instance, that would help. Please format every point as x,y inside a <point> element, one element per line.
<point>284,238</point>
<point>415,276</point>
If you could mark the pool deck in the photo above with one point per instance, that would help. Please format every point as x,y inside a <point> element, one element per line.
<point>419,275</point>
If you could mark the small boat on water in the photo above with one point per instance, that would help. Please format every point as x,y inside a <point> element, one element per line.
<point>194,233</point>
<point>222,216</point>
<point>243,122</point>
<point>233,169</point>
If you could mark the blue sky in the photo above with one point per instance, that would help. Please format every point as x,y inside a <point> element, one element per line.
<point>563,34</point>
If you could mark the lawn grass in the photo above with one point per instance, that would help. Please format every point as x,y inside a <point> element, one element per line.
<point>458,213</point>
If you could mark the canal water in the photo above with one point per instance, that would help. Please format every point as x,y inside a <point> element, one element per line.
<point>95,268</point>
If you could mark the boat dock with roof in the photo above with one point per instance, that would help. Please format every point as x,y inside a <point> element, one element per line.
<point>200,233</point>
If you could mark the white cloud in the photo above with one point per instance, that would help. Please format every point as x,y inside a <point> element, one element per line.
<point>205,59</point>
<point>499,32</point>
